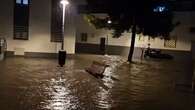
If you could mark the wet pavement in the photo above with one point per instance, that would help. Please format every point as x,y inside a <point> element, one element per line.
<point>39,84</point>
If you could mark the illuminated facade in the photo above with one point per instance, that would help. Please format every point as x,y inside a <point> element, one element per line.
<point>30,31</point>
<point>34,35</point>
<point>181,37</point>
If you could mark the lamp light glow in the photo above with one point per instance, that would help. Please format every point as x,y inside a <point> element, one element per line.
<point>109,21</point>
<point>64,2</point>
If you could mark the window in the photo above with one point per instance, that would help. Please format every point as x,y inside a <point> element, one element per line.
<point>160,9</point>
<point>83,37</point>
<point>21,20</point>
<point>18,1</point>
<point>170,43</point>
<point>22,2</point>
<point>141,38</point>
<point>25,2</point>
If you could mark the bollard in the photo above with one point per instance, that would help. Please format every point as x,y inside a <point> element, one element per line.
<point>62,58</point>
<point>193,88</point>
<point>142,54</point>
<point>193,78</point>
<point>193,85</point>
<point>2,55</point>
<point>2,48</point>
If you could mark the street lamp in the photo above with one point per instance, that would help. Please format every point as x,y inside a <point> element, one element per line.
<point>62,52</point>
<point>109,22</point>
<point>64,4</point>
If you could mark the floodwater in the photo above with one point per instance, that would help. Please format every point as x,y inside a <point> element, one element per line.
<point>39,84</point>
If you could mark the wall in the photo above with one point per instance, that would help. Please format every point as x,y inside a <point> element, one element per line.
<point>39,29</point>
<point>182,32</point>
<point>39,38</point>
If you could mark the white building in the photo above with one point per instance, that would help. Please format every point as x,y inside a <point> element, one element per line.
<point>80,37</point>
<point>39,39</point>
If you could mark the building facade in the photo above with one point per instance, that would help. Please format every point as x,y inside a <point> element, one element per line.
<point>39,39</point>
<point>181,37</point>
<point>80,36</point>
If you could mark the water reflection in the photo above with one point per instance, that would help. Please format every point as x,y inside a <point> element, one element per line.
<point>104,96</point>
<point>103,99</point>
<point>59,95</point>
<point>38,84</point>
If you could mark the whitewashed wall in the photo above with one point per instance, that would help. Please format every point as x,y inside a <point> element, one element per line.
<point>39,29</point>
<point>40,22</point>
<point>182,32</point>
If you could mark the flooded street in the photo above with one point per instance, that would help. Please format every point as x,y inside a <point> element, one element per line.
<point>39,84</point>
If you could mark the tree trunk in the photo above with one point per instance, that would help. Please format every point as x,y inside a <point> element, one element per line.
<point>132,43</point>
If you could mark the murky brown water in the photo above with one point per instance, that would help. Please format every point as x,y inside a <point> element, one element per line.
<point>38,84</point>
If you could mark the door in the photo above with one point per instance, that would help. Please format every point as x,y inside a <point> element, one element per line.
<point>102,45</point>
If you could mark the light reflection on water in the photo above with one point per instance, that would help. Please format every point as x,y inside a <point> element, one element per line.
<point>103,95</point>
<point>103,99</point>
<point>41,85</point>
<point>60,96</point>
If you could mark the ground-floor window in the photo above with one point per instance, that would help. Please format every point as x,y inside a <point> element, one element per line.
<point>21,20</point>
<point>171,43</point>
<point>84,37</point>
